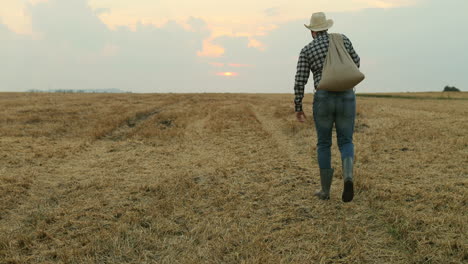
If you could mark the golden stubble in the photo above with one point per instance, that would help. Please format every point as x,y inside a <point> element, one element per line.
<point>226,178</point>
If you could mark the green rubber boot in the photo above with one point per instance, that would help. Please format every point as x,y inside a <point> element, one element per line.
<point>326,177</point>
<point>348,190</point>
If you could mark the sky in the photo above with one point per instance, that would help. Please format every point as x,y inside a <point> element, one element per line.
<point>163,46</point>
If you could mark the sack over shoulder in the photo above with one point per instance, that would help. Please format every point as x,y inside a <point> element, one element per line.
<point>339,73</point>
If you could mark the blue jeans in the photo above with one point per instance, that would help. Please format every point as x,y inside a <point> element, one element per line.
<point>337,108</point>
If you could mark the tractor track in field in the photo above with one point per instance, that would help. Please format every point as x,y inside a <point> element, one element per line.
<point>121,132</point>
<point>133,123</point>
<point>53,175</point>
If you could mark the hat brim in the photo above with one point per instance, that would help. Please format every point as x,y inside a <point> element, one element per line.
<point>328,25</point>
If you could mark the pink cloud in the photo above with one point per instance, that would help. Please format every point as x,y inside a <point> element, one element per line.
<point>238,65</point>
<point>216,64</point>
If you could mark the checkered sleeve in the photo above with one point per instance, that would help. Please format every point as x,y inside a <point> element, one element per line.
<point>351,51</point>
<point>302,76</point>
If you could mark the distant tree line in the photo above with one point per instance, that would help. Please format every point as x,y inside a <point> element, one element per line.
<point>56,91</point>
<point>451,89</point>
<point>77,91</point>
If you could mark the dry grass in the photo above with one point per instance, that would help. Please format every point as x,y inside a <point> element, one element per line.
<point>426,95</point>
<point>226,178</point>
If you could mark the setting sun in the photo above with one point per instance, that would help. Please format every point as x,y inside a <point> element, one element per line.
<point>227,74</point>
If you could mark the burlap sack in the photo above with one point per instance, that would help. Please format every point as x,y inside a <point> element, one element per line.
<point>340,73</point>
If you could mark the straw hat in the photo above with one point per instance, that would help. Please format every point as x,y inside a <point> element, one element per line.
<point>319,22</point>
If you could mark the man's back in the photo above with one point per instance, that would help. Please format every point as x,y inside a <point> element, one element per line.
<point>312,58</point>
<point>316,51</point>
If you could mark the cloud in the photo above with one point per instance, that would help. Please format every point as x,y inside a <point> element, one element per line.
<point>33,2</point>
<point>388,3</point>
<point>239,65</point>
<point>411,48</point>
<point>273,11</point>
<point>76,50</point>
<point>217,64</point>
<point>100,11</point>
<point>69,23</point>
<point>210,50</point>
<point>198,25</point>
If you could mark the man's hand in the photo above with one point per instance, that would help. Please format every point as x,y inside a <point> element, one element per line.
<point>301,116</point>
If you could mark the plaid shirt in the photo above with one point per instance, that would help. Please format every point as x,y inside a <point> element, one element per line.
<point>312,58</point>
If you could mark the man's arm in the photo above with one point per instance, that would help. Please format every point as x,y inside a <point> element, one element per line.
<point>351,51</point>
<point>302,76</point>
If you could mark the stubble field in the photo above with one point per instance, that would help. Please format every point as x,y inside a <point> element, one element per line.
<point>226,178</point>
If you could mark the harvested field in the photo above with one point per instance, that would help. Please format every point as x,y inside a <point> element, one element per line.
<point>426,95</point>
<point>226,178</point>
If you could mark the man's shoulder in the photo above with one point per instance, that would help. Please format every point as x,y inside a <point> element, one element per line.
<point>308,46</point>
<point>340,34</point>
<point>345,38</point>
<point>313,45</point>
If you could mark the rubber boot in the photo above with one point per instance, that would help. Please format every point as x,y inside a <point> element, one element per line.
<point>348,190</point>
<point>326,177</point>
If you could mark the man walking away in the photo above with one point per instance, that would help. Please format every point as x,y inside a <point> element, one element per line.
<point>329,108</point>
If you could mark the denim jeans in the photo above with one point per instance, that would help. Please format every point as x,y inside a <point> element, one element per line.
<point>337,108</point>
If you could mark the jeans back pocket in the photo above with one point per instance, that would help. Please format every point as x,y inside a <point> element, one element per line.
<point>321,104</point>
